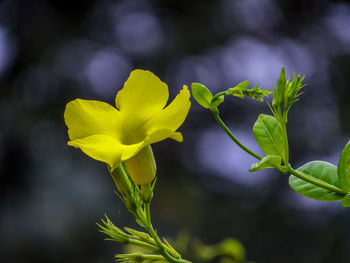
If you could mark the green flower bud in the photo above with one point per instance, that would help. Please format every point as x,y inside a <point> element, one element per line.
<point>285,94</point>
<point>121,180</point>
<point>147,192</point>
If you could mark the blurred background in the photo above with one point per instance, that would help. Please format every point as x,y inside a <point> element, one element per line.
<point>51,52</point>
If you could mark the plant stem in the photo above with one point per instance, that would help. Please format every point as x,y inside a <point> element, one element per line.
<point>230,134</point>
<point>219,94</point>
<point>162,248</point>
<point>286,145</point>
<point>315,181</point>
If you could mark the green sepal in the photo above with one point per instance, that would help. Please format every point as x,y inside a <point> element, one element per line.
<point>319,170</point>
<point>202,95</point>
<point>138,234</point>
<point>114,233</point>
<point>216,101</point>
<point>269,161</point>
<point>343,170</point>
<point>268,134</point>
<point>238,89</point>
<point>140,222</point>
<point>345,201</point>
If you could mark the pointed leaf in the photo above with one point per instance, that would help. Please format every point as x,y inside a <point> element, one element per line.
<point>238,89</point>
<point>202,94</point>
<point>269,161</point>
<point>344,168</point>
<point>268,133</point>
<point>320,170</point>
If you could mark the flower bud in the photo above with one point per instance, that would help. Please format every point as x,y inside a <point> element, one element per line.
<point>146,192</point>
<point>142,166</point>
<point>121,180</point>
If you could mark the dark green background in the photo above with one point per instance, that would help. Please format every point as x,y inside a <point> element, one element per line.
<point>52,195</point>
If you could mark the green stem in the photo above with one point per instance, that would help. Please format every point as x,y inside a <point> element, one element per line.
<point>162,248</point>
<point>286,145</point>
<point>230,134</point>
<point>315,181</point>
<point>219,94</point>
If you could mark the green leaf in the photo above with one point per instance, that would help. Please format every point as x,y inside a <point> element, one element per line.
<point>344,168</point>
<point>269,161</point>
<point>346,201</point>
<point>238,89</point>
<point>268,134</point>
<point>322,171</point>
<point>202,94</point>
<point>217,101</point>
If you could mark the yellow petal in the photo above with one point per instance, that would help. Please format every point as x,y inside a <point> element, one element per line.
<point>171,117</point>
<point>100,147</point>
<point>107,149</point>
<point>142,96</point>
<point>88,117</point>
<point>131,150</point>
<point>177,136</point>
<point>162,134</point>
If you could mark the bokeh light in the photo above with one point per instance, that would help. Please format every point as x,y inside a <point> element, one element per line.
<point>106,72</point>
<point>7,49</point>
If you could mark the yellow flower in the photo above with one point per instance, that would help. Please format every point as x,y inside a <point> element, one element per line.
<point>113,135</point>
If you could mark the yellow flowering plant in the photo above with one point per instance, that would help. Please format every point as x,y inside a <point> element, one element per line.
<point>121,137</point>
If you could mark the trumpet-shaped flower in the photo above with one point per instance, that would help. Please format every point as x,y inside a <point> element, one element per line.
<point>113,135</point>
